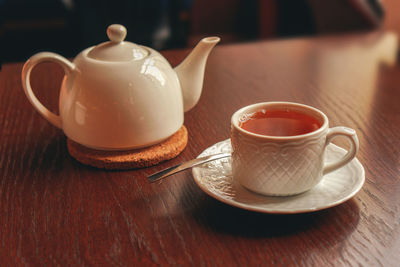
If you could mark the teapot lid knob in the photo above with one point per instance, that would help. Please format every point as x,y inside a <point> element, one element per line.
<point>116,33</point>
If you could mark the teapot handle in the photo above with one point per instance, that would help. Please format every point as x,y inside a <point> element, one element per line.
<point>67,65</point>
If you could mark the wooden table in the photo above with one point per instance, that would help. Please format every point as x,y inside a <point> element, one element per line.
<point>57,211</point>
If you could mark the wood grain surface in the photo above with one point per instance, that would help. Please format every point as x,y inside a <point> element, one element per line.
<point>55,211</point>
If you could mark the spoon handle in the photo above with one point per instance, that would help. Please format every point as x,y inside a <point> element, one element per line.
<point>186,165</point>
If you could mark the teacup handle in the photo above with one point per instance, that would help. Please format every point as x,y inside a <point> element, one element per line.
<point>67,65</point>
<point>352,136</point>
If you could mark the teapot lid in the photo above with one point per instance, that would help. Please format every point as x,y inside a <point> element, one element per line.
<point>117,49</point>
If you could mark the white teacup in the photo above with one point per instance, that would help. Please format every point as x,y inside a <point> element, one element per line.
<point>284,165</point>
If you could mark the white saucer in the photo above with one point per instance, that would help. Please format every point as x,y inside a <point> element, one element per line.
<point>215,179</point>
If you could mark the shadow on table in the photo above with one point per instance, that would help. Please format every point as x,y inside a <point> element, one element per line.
<point>341,220</point>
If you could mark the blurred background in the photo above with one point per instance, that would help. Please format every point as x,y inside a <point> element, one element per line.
<point>69,26</point>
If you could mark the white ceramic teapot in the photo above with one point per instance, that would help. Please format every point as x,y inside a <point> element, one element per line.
<point>119,95</point>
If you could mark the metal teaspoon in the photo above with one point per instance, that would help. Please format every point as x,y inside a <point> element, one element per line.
<point>185,165</point>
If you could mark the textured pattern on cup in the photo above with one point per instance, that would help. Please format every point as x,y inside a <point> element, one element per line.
<point>270,168</point>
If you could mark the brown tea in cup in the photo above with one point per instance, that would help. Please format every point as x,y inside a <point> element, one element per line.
<point>279,122</point>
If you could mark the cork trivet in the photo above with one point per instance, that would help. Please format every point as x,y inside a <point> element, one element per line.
<point>131,159</point>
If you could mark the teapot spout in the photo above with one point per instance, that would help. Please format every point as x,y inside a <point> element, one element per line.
<point>191,71</point>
